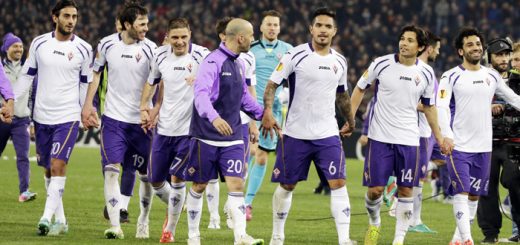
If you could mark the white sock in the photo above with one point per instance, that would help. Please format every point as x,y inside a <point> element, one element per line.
<point>177,196</point>
<point>237,207</point>
<point>124,201</point>
<point>212,197</point>
<point>462,216</point>
<point>145,198</point>
<point>417,205</point>
<point>472,210</point>
<point>47,182</point>
<point>112,194</point>
<point>194,210</point>
<point>163,192</point>
<point>54,194</point>
<point>403,215</point>
<point>282,200</point>
<point>373,208</point>
<point>433,185</point>
<point>340,208</point>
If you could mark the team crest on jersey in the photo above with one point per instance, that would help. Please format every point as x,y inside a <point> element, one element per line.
<point>279,67</point>
<point>279,56</point>
<point>70,55</point>
<point>191,171</point>
<point>276,173</point>
<point>417,81</point>
<point>335,69</point>
<point>138,57</point>
<point>487,80</point>
<point>189,67</point>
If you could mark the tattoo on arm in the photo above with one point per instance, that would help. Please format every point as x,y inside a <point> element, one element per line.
<point>269,93</point>
<point>344,105</point>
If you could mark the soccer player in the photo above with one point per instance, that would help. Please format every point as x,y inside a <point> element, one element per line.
<point>217,143</point>
<point>17,130</point>
<point>175,65</point>
<point>427,141</point>
<point>317,77</point>
<point>249,131</point>
<point>268,51</point>
<point>464,101</point>
<point>62,62</point>
<point>515,57</point>
<point>401,80</point>
<point>128,56</point>
<point>7,95</point>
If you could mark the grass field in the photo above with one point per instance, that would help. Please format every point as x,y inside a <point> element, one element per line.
<point>309,220</point>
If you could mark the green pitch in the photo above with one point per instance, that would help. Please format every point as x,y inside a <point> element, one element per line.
<point>309,220</point>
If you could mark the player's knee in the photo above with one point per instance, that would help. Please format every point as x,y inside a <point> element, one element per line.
<point>199,187</point>
<point>58,167</point>
<point>288,187</point>
<point>336,183</point>
<point>375,192</point>
<point>404,191</point>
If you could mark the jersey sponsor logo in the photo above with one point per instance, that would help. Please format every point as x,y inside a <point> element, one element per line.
<point>443,93</point>
<point>138,57</point>
<point>226,73</point>
<point>58,53</point>
<point>279,67</point>
<point>478,82</point>
<point>127,56</point>
<point>179,68</point>
<point>323,68</point>
<point>405,78</point>
<point>70,56</point>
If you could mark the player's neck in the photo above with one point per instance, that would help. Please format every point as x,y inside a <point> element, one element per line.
<point>127,39</point>
<point>61,37</point>
<point>12,60</point>
<point>269,41</point>
<point>407,61</point>
<point>232,46</point>
<point>471,67</point>
<point>423,57</point>
<point>321,49</point>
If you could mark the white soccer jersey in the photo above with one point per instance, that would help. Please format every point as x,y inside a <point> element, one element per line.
<point>464,102</point>
<point>128,69</point>
<point>250,68</point>
<point>313,83</point>
<point>424,128</point>
<point>398,90</point>
<point>177,105</point>
<point>61,66</point>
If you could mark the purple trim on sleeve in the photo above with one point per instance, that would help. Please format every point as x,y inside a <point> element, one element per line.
<point>32,71</point>
<point>340,89</point>
<point>83,79</point>
<point>5,86</point>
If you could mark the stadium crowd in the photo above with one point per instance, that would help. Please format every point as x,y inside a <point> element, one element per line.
<point>366,27</point>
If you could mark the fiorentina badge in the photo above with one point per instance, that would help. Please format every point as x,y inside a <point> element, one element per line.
<point>70,56</point>
<point>138,57</point>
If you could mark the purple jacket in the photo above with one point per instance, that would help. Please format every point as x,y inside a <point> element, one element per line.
<point>5,86</point>
<point>221,91</point>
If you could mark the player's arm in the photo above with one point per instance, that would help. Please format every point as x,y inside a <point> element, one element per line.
<point>344,104</point>
<point>364,82</point>
<point>6,112</point>
<point>29,70</point>
<point>444,114</point>
<point>207,75</point>
<point>430,111</point>
<point>144,108</point>
<point>88,113</point>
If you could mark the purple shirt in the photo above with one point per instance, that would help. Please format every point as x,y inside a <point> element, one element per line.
<point>221,91</point>
<point>5,86</point>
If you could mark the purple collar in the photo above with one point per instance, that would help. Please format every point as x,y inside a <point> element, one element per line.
<point>222,47</point>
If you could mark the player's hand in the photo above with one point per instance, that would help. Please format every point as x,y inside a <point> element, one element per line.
<point>253,133</point>
<point>89,117</point>
<point>222,126</point>
<point>497,109</point>
<point>190,80</point>
<point>363,140</point>
<point>145,119</point>
<point>154,117</point>
<point>269,125</point>
<point>447,146</point>
<point>32,133</point>
<point>6,112</point>
<point>346,130</point>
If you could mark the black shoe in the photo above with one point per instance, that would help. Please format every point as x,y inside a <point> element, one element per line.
<point>318,189</point>
<point>123,216</point>
<point>326,190</point>
<point>489,240</point>
<point>514,238</point>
